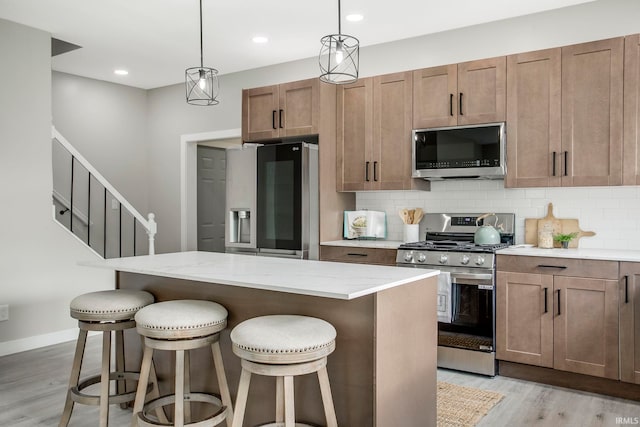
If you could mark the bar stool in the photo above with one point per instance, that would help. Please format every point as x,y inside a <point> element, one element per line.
<point>103,311</point>
<point>180,326</point>
<point>284,346</point>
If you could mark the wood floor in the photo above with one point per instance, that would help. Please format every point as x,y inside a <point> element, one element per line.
<point>33,386</point>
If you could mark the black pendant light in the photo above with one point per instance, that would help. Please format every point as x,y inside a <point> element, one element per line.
<point>201,82</point>
<point>339,57</point>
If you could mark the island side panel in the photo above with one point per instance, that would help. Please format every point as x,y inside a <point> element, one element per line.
<point>350,366</point>
<point>406,355</point>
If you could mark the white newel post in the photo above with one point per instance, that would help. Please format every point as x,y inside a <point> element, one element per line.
<point>151,232</point>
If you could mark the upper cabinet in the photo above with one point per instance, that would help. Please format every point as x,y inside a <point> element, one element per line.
<point>533,119</point>
<point>467,93</point>
<point>565,116</point>
<point>592,102</point>
<point>374,134</point>
<point>283,110</point>
<point>631,165</point>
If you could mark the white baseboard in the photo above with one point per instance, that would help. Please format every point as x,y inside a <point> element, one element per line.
<point>30,343</point>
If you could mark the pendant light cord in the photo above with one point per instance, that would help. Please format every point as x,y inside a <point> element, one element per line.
<point>201,61</point>
<point>339,19</point>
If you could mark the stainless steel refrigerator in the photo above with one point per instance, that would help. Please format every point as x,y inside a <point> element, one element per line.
<point>272,200</point>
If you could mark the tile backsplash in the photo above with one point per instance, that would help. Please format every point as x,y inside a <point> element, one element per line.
<point>613,213</point>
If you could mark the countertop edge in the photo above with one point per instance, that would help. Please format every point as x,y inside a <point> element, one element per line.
<point>373,244</point>
<point>620,255</point>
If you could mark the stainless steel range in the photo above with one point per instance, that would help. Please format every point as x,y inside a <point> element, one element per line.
<point>466,300</point>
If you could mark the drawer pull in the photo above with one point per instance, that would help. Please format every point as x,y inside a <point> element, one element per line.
<point>546,309</point>
<point>561,267</point>
<point>356,254</point>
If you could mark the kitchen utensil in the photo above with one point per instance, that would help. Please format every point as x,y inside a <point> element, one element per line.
<point>411,213</point>
<point>405,215</point>
<point>418,216</point>
<point>486,234</point>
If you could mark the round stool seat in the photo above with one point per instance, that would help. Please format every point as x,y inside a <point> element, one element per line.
<point>113,305</point>
<point>283,339</point>
<point>181,319</point>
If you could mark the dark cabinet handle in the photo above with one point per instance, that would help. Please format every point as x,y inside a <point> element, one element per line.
<point>460,109</point>
<point>451,104</point>
<point>375,171</point>
<point>554,163</point>
<point>366,171</point>
<point>280,118</point>
<point>566,154</point>
<point>356,254</point>
<point>558,302</point>
<point>626,289</point>
<point>546,309</point>
<point>273,119</point>
<point>561,267</point>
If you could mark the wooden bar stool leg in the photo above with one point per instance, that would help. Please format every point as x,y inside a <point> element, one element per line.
<point>187,387</point>
<point>279,399</point>
<point>327,399</point>
<point>142,384</point>
<point>74,378</point>
<point>178,406</point>
<point>289,402</point>
<point>121,385</point>
<point>225,395</point>
<point>104,378</point>
<point>241,398</point>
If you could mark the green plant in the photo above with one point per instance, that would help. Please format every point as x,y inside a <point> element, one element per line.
<point>565,237</point>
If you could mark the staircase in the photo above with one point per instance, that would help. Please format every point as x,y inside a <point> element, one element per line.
<point>91,209</point>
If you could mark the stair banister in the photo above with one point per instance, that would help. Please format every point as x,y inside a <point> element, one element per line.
<point>149,223</point>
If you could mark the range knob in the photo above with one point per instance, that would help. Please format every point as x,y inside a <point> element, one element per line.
<point>408,256</point>
<point>421,257</point>
<point>464,260</point>
<point>480,260</point>
<point>443,258</point>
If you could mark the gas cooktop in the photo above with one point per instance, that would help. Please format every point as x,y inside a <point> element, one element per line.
<point>452,245</point>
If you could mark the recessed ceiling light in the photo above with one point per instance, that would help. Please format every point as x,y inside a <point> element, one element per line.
<point>260,39</point>
<point>121,72</point>
<point>354,17</point>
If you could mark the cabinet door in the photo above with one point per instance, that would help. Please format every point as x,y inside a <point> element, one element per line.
<point>482,91</point>
<point>631,161</point>
<point>391,155</point>
<point>533,119</point>
<point>586,326</point>
<point>435,97</point>
<point>260,113</point>
<point>354,135</point>
<point>299,108</point>
<point>630,322</point>
<point>592,101</point>
<point>524,318</point>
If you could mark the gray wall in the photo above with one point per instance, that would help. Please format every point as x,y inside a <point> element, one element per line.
<point>39,274</point>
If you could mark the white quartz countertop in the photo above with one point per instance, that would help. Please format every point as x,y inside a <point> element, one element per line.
<point>316,278</point>
<point>600,254</point>
<point>379,244</point>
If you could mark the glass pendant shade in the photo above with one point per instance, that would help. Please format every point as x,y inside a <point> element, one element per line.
<point>339,59</point>
<point>202,85</point>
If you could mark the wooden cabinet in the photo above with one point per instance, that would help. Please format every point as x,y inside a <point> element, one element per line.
<point>592,113</point>
<point>560,313</point>
<point>630,322</point>
<point>533,119</point>
<point>357,255</point>
<point>467,93</point>
<point>278,111</point>
<point>374,134</point>
<point>631,161</point>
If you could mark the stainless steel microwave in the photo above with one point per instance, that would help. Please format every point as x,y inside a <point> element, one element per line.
<point>476,151</point>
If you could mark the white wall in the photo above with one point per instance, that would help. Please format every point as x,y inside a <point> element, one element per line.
<point>38,259</point>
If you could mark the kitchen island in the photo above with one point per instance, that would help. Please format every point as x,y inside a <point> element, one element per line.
<point>383,371</point>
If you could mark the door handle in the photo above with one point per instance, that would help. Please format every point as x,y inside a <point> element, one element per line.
<point>566,154</point>
<point>460,109</point>
<point>546,309</point>
<point>626,289</point>
<point>451,104</point>
<point>554,163</point>
<point>375,171</point>
<point>280,117</point>
<point>366,171</point>
<point>558,302</point>
<point>273,119</point>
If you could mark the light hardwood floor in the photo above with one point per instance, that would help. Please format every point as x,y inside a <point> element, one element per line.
<point>33,386</point>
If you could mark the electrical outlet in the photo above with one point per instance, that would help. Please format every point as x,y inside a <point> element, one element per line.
<point>4,312</point>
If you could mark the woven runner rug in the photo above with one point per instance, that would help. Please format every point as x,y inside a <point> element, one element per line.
<point>460,406</point>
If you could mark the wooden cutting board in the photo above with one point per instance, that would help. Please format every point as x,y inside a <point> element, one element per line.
<point>550,222</point>
<point>568,225</point>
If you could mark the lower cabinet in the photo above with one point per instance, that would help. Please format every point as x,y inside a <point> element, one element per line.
<point>630,322</point>
<point>558,313</point>
<point>357,255</point>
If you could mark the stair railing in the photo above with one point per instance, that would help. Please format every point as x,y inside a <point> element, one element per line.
<point>62,204</point>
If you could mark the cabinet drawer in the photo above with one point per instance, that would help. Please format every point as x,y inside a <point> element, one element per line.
<point>596,269</point>
<point>358,255</point>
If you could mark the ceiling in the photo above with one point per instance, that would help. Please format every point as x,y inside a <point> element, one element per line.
<point>155,40</point>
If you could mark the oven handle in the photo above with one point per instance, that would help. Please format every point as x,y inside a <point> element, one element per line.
<point>472,276</point>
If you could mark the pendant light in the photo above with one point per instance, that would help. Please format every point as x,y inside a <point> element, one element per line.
<point>339,57</point>
<point>201,82</point>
